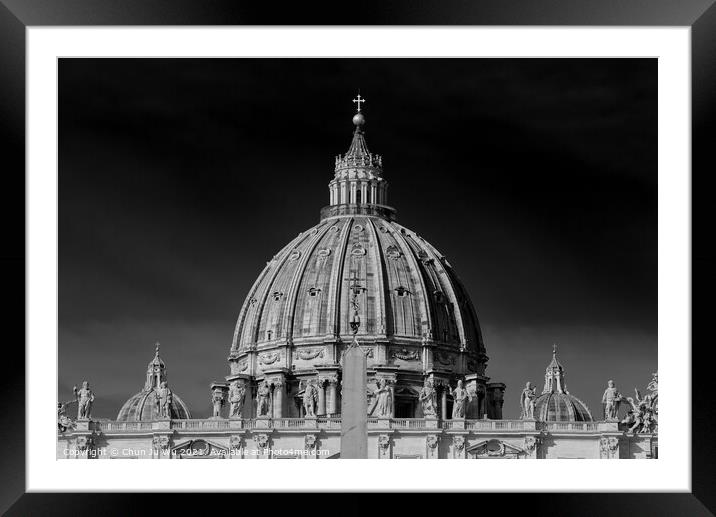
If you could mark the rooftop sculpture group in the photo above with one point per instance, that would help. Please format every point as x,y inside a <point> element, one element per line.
<point>643,417</point>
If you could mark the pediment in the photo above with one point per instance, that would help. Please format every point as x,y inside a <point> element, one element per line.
<point>199,448</point>
<point>494,448</point>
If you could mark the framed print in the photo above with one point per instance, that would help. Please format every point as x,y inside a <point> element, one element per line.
<point>401,239</point>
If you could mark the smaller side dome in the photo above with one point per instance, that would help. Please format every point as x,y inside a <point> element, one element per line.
<point>556,404</point>
<point>561,407</point>
<point>145,404</point>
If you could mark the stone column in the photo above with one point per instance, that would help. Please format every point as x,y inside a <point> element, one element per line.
<point>321,409</point>
<point>278,398</point>
<point>391,384</point>
<point>443,402</point>
<point>332,395</point>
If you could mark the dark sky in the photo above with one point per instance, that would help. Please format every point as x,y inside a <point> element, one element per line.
<point>179,179</point>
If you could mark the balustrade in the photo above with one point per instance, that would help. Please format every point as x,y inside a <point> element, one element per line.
<point>334,422</point>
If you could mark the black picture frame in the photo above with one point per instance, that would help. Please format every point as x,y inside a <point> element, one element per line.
<point>17,15</point>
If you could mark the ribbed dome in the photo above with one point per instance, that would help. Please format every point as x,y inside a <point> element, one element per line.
<point>296,315</point>
<point>556,404</point>
<point>561,407</point>
<point>143,405</point>
<point>410,294</point>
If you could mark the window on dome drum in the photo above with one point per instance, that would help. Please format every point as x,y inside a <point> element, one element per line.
<point>269,334</point>
<point>314,291</point>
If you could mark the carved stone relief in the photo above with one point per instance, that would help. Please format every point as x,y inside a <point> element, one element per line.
<point>269,357</point>
<point>406,355</point>
<point>308,353</point>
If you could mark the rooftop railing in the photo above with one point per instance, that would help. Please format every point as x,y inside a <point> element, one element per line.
<point>334,423</point>
<point>583,427</point>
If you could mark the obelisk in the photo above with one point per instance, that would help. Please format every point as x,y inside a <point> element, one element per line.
<point>354,433</point>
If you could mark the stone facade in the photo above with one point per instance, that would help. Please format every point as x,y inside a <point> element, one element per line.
<point>319,438</point>
<point>427,393</point>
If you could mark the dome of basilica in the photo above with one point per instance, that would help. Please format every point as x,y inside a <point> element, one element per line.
<point>414,317</point>
<point>409,293</point>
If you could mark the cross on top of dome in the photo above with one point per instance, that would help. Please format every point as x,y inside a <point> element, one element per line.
<point>357,101</point>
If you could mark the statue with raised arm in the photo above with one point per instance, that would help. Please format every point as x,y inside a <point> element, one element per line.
<point>84,397</point>
<point>263,400</point>
<point>429,400</point>
<point>527,402</point>
<point>237,392</point>
<point>459,397</point>
<point>611,400</point>
<point>165,400</point>
<point>310,399</point>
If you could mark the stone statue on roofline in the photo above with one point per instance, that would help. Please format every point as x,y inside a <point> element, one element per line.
<point>429,400</point>
<point>611,400</point>
<point>63,421</point>
<point>644,414</point>
<point>165,399</point>
<point>84,397</point>
<point>263,400</point>
<point>217,401</point>
<point>310,399</point>
<point>527,402</point>
<point>383,403</point>
<point>237,392</point>
<point>459,395</point>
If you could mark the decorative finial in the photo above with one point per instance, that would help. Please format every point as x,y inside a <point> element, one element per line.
<point>358,118</point>
<point>554,350</point>
<point>357,101</point>
<point>156,349</point>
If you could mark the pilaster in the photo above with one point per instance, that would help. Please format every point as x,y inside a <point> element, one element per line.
<point>609,447</point>
<point>458,446</point>
<point>262,445</point>
<point>532,446</point>
<point>384,446</point>
<point>161,445</point>
<point>432,442</point>
<point>84,446</point>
